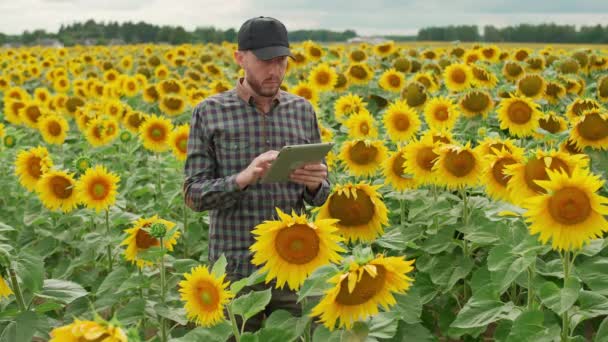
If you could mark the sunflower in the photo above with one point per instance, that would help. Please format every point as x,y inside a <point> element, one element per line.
<point>359,73</point>
<point>205,296</point>
<point>42,95</point>
<point>307,91</point>
<point>139,239</point>
<point>580,106</point>
<point>170,86</point>
<point>524,176</point>
<point>429,81</point>
<point>54,129</point>
<point>360,210</point>
<point>591,130</point>
<point>420,158</point>
<point>341,83</point>
<point>414,94</point>
<point>394,172</point>
<point>457,77</point>
<point>385,49</point>
<point>402,64</point>
<point>457,166</point>
<point>363,156</point>
<point>494,177</point>
<point>401,121</point>
<point>323,77</point>
<point>476,102</point>
<point>348,104</point>
<point>554,92</point>
<point>512,70</point>
<point>84,331</point>
<point>56,191</point>
<point>5,290</point>
<point>178,140</point>
<point>571,212</point>
<point>483,78</point>
<point>133,120</point>
<point>313,50</point>
<point>12,109</point>
<point>602,88</point>
<point>97,188</point>
<point>490,146</point>
<point>357,293</point>
<point>532,86</point>
<point>172,105</point>
<point>552,123</point>
<point>392,80</point>
<point>490,53</point>
<point>155,133</point>
<point>327,135</point>
<point>573,85</point>
<point>519,115</point>
<point>357,56</point>
<point>31,112</point>
<point>361,126</point>
<point>291,248</point>
<point>569,66</point>
<point>151,94</point>
<point>31,164</point>
<point>441,113</point>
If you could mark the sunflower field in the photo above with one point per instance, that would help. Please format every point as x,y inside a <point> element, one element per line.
<point>469,198</point>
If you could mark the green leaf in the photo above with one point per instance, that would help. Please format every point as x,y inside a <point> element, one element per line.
<point>409,306</point>
<point>219,267</point>
<point>591,304</point>
<point>316,283</point>
<point>602,332</point>
<point>253,279</point>
<point>412,332</point>
<point>529,326</point>
<point>23,328</point>
<point>184,265</point>
<point>594,272</point>
<point>62,290</point>
<point>113,280</point>
<point>505,266</point>
<point>172,314</point>
<point>358,332</point>
<point>6,228</point>
<point>282,319</point>
<point>217,333</point>
<point>252,303</point>
<point>481,312</point>
<point>560,300</point>
<point>48,306</point>
<point>593,247</point>
<point>274,334</point>
<point>30,268</point>
<point>383,326</point>
<point>439,242</point>
<point>132,311</point>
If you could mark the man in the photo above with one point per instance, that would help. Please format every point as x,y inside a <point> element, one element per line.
<point>234,137</point>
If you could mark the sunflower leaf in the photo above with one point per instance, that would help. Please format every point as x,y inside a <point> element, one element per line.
<point>316,283</point>
<point>62,290</point>
<point>250,304</point>
<point>217,333</point>
<point>219,267</point>
<point>560,300</point>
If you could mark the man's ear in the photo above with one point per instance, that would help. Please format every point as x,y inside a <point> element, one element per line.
<point>238,57</point>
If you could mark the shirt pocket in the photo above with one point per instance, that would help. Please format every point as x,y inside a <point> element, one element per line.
<point>233,155</point>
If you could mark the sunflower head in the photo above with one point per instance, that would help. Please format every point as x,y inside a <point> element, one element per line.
<point>395,174</point>
<point>97,188</point>
<point>155,133</point>
<point>519,115</point>
<point>178,140</point>
<point>392,80</point>
<point>457,166</point>
<point>57,191</point>
<point>457,77</point>
<point>591,129</point>
<point>401,121</point>
<point>205,296</point>
<point>359,73</point>
<point>414,94</point>
<point>494,177</point>
<point>323,77</point>
<point>361,126</point>
<point>531,85</point>
<point>54,129</point>
<point>146,233</point>
<point>476,102</point>
<point>85,331</point>
<point>360,210</point>
<point>441,113</point>
<point>570,212</point>
<point>31,165</point>
<point>291,248</point>
<point>362,156</point>
<point>359,291</point>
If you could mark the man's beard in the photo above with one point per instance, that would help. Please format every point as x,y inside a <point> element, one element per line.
<point>259,89</point>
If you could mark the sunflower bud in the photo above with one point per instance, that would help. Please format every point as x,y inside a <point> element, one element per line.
<point>125,136</point>
<point>82,163</point>
<point>158,230</point>
<point>9,141</point>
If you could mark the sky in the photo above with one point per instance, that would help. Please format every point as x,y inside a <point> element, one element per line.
<point>371,17</point>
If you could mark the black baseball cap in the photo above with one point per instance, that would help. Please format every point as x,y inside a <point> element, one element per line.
<point>266,37</point>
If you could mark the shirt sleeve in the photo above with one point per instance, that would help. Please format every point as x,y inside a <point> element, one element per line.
<point>203,190</point>
<point>318,198</point>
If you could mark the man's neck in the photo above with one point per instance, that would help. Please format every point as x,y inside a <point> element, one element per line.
<point>264,101</point>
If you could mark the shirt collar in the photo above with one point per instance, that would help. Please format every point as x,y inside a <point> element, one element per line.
<point>250,97</point>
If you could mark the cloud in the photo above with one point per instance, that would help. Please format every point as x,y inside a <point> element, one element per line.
<point>366,17</point>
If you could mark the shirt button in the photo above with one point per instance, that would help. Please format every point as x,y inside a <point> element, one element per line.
<point>267,141</point>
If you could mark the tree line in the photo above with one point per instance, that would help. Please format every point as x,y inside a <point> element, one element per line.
<point>92,32</point>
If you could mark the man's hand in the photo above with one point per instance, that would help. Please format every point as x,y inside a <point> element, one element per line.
<point>256,169</point>
<point>311,175</point>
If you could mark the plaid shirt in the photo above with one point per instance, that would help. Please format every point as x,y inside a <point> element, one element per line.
<point>226,133</point>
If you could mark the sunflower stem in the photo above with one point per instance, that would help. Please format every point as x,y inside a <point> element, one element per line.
<point>565,317</point>
<point>158,181</point>
<point>163,327</point>
<point>185,229</point>
<point>465,246</point>
<point>108,247</point>
<point>531,273</point>
<point>141,296</point>
<point>402,204</point>
<point>16,288</point>
<point>235,329</point>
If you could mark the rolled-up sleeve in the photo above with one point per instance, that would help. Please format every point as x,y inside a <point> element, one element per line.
<point>203,189</point>
<point>318,198</point>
